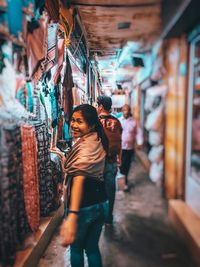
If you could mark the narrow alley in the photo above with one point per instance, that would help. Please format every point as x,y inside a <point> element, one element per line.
<point>84,86</point>
<point>141,235</point>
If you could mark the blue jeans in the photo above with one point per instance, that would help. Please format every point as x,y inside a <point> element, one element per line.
<point>90,222</point>
<point>110,173</point>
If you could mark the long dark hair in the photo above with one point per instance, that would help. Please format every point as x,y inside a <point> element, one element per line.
<point>91,117</point>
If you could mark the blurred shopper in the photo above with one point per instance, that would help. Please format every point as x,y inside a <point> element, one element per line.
<point>129,132</point>
<point>86,205</point>
<point>113,130</point>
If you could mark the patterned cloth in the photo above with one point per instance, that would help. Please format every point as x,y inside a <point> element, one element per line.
<point>30,176</point>
<point>46,183</point>
<point>13,218</point>
<point>51,56</point>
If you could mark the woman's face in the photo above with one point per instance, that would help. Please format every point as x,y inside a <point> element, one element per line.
<point>78,125</point>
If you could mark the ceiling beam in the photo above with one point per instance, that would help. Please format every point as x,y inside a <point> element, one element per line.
<point>75,3</point>
<point>171,15</point>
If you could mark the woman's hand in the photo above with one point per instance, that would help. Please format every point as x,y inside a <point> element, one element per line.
<point>57,152</point>
<point>68,230</point>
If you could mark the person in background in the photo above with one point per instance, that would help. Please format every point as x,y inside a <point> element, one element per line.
<point>113,130</point>
<point>86,207</point>
<point>129,132</point>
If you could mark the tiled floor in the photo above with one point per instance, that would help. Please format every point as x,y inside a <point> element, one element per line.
<point>141,235</point>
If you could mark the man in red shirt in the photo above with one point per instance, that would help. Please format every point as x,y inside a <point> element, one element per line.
<point>113,130</point>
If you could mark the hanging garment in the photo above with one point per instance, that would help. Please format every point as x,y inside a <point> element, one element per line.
<point>7,199</point>
<point>52,8</point>
<point>15,16</point>
<point>36,49</point>
<point>58,178</point>
<point>13,219</point>
<point>55,109</point>
<point>51,56</point>
<point>68,84</point>
<point>61,52</point>
<point>46,184</point>
<point>30,176</point>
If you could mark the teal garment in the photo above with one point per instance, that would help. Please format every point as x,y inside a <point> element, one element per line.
<point>25,97</point>
<point>55,109</point>
<point>66,133</point>
<point>14,12</point>
<point>30,97</point>
<point>21,96</point>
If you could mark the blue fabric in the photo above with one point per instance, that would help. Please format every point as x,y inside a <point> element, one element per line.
<point>66,133</point>
<point>54,106</point>
<point>90,222</point>
<point>110,173</point>
<point>15,16</point>
<point>30,97</point>
<point>21,96</point>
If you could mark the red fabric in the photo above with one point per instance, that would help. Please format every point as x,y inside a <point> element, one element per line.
<point>30,176</point>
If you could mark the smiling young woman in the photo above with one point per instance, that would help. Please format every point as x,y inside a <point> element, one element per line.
<point>87,205</point>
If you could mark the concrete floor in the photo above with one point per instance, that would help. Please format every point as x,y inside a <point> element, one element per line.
<point>141,236</point>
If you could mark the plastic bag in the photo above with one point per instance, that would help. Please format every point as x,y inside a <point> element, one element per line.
<point>155,119</point>
<point>156,171</point>
<point>156,154</point>
<point>155,138</point>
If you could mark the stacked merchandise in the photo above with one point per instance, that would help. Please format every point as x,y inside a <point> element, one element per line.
<point>154,106</point>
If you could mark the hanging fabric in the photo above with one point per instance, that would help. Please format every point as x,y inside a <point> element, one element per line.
<point>52,7</point>
<point>37,49</point>
<point>13,219</point>
<point>30,176</point>
<point>68,84</point>
<point>46,185</point>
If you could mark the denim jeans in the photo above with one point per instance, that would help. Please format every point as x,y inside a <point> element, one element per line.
<point>90,222</point>
<point>110,173</point>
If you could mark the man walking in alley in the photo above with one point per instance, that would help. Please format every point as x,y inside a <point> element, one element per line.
<point>129,132</point>
<point>113,130</point>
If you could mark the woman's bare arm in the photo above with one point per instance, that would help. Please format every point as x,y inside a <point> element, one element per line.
<point>69,226</point>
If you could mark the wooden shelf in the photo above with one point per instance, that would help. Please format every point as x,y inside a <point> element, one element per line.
<point>39,241</point>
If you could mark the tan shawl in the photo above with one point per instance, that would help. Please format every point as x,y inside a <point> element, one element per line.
<point>87,157</point>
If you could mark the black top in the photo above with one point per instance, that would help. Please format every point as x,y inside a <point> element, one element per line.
<point>93,192</point>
